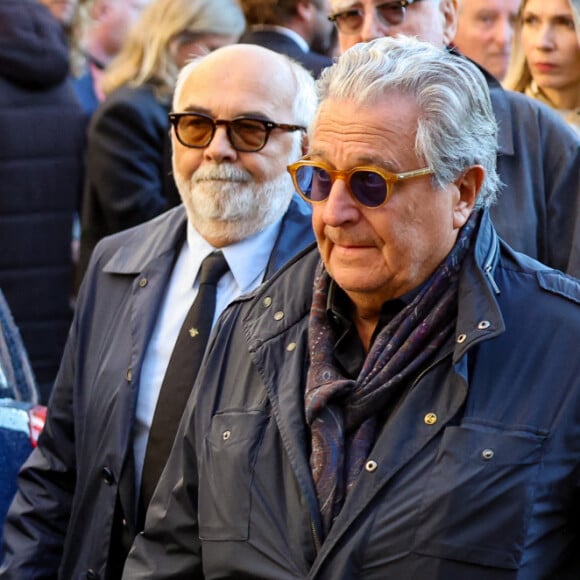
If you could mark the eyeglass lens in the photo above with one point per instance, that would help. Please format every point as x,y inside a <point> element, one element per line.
<point>244,134</point>
<point>368,187</point>
<point>389,13</point>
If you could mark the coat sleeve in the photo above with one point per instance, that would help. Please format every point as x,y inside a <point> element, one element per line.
<point>169,547</point>
<point>36,524</point>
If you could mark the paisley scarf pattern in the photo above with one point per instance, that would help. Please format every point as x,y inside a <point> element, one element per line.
<point>341,412</point>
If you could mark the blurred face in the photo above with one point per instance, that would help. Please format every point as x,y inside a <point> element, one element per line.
<point>115,18</point>
<point>188,46</point>
<point>485,31</point>
<point>228,194</point>
<point>550,43</point>
<point>62,10</point>
<point>430,20</point>
<point>381,253</point>
<point>323,29</point>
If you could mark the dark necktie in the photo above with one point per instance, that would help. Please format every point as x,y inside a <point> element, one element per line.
<point>180,375</point>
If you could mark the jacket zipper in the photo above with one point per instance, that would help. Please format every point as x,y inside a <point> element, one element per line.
<point>317,544</point>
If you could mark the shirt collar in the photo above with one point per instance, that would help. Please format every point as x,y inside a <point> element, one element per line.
<point>299,40</point>
<point>247,259</point>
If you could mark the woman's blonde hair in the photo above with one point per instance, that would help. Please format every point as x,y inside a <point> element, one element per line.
<point>148,53</point>
<point>519,77</point>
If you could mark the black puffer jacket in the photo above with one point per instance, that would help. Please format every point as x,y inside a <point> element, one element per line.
<point>41,141</point>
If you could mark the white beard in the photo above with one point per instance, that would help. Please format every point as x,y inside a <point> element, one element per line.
<point>223,202</point>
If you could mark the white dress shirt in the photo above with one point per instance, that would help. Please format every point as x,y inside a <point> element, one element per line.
<point>247,261</point>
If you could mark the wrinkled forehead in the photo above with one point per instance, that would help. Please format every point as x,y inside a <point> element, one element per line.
<point>235,85</point>
<point>340,5</point>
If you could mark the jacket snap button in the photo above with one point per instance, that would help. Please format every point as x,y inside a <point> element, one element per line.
<point>371,466</point>
<point>107,476</point>
<point>278,315</point>
<point>461,338</point>
<point>430,418</point>
<point>91,574</point>
<point>129,374</point>
<point>267,302</point>
<point>291,347</point>
<point>484,324</point>
<point>487,454</point>
<point>226,435</point>
<point>143,282</point>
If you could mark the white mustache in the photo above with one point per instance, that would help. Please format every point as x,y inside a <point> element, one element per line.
<point>221,173</point>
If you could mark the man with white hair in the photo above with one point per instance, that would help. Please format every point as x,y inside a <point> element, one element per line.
<point>538,207</point>
<point>239,118</point>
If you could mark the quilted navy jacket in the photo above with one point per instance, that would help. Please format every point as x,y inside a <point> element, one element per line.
<point>41,141</point>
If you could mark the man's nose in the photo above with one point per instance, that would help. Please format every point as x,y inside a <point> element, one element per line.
<point>372,27</point>
<point>219,148</point>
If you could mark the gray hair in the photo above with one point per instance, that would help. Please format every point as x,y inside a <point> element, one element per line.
<point>456,127</point>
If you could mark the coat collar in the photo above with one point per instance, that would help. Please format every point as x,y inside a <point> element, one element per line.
<point>133,256</point>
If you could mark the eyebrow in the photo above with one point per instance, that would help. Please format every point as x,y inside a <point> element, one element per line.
<point>343,6</point>
<point>206,111</point>
<point>360,161</point>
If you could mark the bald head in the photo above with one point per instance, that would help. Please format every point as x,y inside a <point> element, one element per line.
<point>251,70</point>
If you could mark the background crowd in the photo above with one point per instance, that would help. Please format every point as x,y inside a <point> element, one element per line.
<point>86,147</point>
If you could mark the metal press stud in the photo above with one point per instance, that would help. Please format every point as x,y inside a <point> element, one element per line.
<point>371,466</point>
<point>430,418</point>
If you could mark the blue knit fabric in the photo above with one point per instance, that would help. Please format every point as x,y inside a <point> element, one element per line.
<point>15,447</point>
<point>16,378</point>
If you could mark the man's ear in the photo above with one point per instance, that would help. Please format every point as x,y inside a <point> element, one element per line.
<point>304,143</point>
<point>468,186</point>
<point>304,10</point>
<point>449,14</point>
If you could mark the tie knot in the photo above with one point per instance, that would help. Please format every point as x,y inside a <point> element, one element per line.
<point>213,268</point>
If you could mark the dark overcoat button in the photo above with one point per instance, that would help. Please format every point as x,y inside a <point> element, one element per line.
<point>107,476</point>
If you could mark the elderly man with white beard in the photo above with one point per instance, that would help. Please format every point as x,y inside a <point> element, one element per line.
<point>239,119</point>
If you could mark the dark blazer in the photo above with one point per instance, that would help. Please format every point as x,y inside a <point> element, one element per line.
<point>283,44</point>
<point>41,141</point>
<point>128,173</point>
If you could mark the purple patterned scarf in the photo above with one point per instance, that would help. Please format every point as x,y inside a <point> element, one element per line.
<point>341,412</point>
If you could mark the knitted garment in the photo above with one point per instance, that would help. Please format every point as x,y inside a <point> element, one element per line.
<point>341,412</point>
<point>16,377</point>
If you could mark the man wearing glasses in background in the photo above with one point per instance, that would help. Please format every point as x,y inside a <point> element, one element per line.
<point>239,119</point>
<point>402,402</point>
<point>538,206</point>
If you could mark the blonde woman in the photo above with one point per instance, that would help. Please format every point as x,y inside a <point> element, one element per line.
<point>546,58</point>
<point>128,178</point>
